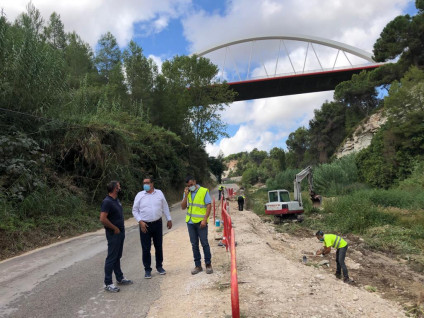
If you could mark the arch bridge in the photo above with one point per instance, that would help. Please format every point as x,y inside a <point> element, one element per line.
<point>270,66</point>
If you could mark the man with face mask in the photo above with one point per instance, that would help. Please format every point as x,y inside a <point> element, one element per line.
<point>149,205</point>
<point>332,240</point>
<point>197,201</point>
<point>112,218</point>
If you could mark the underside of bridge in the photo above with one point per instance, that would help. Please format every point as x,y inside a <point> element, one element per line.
<point>294,84</point>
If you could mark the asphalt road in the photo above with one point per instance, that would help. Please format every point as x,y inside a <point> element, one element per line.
<point>66,279</point>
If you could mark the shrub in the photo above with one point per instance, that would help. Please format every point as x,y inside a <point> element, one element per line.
<point>355,213</point>
<point>338,177</point>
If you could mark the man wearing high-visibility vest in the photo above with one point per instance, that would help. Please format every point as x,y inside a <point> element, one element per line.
<point>197,201</point>
<point>332,240</point>
<point>220,189</point>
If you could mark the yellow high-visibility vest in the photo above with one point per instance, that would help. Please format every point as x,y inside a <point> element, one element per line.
<point>334,241</point>
<point>196,209</point>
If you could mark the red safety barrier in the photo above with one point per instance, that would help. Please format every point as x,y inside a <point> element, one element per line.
<point>229,240</point>
<point>234,281</point>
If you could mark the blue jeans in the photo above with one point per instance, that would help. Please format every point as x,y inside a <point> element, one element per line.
<point>196,233</point>
<point>340,260</point>
<point>155,232</point>
<point>115,245</point>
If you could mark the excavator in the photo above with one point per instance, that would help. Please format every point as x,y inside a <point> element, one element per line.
<point>280,205</point>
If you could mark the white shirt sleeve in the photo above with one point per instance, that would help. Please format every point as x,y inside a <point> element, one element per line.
<point>136,204</point>
<point>165,208</point>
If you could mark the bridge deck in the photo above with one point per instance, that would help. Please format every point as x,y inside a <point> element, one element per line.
<point>295,84</point>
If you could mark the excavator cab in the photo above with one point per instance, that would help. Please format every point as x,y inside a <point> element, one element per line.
<point>280,205</point>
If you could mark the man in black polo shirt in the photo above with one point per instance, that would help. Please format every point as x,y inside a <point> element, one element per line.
<point>112,217</point>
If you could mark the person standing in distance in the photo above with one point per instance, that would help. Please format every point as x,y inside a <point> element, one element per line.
<point>240,201</point>
<point>149,205</point>
<point>197,201</point>
<point>112,217</point>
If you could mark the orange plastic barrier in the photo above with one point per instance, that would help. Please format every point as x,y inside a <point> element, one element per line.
<point>235,306</point>
<point>229,240</point>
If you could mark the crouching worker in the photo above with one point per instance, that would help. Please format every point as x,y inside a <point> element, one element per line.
<point>332,240</point>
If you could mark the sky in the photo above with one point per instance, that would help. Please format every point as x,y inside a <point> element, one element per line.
<point>165,28</point>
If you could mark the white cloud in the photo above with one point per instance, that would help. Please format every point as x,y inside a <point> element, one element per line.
<point>158,61</point>
<point>92,18</point>
<point>265,123</point>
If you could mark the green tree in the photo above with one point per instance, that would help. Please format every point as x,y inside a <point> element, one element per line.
<point>216,165</point>
<point>250,176</point>
<point>327,130</point>
<point>79,61</point>
<point>197,99</point>
<point>279,155</point>
<point>405,109</point>
<point>108,62</point>
<point>403,37</point>
<point>141,74</point>
<point>360,97</point>
<point>257,156</point>
<point>297,144</point>
<point>108,55</point>
<point>54,32</point>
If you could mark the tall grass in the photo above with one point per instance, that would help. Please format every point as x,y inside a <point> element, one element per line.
<point>395,198</point>
<point>355,214</point>
<point>338,177</point>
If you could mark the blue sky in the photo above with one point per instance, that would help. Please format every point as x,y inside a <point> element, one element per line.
<point>165,28</point>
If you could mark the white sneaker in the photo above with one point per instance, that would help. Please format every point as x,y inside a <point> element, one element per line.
<point>111,288</point>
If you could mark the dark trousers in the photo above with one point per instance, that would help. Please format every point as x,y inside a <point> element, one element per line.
<point>155,232</point>
<point>240,204</point>
<point>115,245</point>
<point>340,260</point>
<point>197,233</point>
<point>219,194</point>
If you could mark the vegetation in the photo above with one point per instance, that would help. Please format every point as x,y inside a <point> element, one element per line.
<point>71,121</point>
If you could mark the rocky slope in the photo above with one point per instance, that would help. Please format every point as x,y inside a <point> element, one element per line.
<point>363,135</point>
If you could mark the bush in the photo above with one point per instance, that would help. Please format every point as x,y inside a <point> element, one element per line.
<point>355,214</point>
<point>338,177</point>
<point>283,180</point>
<point>250,176</point>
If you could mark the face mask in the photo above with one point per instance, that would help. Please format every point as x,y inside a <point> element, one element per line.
<point>192,188</point>
<point>146,187</point>
<point>321,240</point>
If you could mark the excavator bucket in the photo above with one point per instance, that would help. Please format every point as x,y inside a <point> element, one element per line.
<point>316,199</point>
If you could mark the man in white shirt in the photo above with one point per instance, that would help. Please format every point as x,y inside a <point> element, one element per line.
<point>149,205</point>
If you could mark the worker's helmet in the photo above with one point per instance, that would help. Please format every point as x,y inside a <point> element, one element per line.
<point>319,233</point>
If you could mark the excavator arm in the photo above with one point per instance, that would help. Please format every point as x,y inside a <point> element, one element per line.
<point>305,173</point>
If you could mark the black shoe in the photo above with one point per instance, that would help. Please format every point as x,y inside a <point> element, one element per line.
<point>161,271</point>
<point>338,276</point>
<point>196,270</point>
<point>209,269</point>
<point>148,274</point>
<point>347,280</point>
<point>125,281</point>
